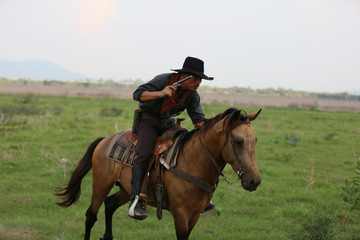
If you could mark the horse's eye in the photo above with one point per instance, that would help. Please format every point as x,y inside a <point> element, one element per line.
<point>238,142</point>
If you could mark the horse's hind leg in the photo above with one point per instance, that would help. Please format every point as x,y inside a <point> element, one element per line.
<point>91,218</point>
<point>111,204</point>
<point>98,196</point>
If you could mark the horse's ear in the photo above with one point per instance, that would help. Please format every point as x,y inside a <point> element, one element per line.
<point>253,116</point>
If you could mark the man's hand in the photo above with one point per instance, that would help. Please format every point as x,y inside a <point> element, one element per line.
<point>167,91</point>
<point>199,124</point>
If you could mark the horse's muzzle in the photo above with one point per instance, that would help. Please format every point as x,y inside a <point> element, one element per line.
<point>250,183</point>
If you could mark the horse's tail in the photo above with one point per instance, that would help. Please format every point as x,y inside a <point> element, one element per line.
<point>70,193</point>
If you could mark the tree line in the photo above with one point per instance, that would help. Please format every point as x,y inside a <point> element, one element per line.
<point>129,83</point>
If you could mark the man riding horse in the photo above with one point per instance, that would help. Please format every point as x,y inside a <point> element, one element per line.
<point>159,100</point>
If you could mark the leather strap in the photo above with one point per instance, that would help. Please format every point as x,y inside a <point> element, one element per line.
<point>211,157</point>
<point>203,185</point>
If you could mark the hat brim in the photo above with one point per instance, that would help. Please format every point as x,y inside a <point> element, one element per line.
<point>190,71</point>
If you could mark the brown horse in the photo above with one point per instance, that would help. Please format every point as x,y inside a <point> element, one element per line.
<point>226,138</point>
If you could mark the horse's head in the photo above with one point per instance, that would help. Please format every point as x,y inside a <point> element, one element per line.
<point>239,147</point>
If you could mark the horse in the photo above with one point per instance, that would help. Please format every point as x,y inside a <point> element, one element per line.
<point>227,138</point>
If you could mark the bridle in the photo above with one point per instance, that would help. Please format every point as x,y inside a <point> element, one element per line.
<point>240,173</point>
<point>202,184</point>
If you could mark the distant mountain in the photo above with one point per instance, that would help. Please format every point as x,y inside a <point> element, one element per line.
<point>34,69</point>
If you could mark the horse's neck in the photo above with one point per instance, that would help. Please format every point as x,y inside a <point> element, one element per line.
<point>198,161</point>
<point>213,141</point>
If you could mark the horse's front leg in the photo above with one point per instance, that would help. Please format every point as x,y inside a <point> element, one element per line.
<point>192,223</point>
<point>181,221</point>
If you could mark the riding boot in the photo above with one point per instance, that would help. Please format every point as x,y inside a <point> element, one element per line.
<point>209,207</point>
<point>137,208</point>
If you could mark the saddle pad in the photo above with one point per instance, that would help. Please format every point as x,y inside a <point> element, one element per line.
<point>171,153</point>
<point>121,149</point>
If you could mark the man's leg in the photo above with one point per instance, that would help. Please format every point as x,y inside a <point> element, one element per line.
<point>136,208</point>
<point>147,136</point>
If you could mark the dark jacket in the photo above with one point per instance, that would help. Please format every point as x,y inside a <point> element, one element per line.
<point>191,103</point>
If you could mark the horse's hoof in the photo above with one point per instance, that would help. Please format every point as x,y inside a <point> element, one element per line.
<point>104,238</point>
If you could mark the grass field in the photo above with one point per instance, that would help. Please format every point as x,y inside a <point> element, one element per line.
<point>304,158</point>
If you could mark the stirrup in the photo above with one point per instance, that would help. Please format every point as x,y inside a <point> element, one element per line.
<point>209,207</point>
<point>134,211</point>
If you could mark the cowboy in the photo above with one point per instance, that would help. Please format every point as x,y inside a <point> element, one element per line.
<point>159,100</point>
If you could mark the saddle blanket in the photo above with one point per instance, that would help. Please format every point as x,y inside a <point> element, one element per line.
<point>122,148</point>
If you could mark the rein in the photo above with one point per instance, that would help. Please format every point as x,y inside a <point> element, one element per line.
<point>241,171</point>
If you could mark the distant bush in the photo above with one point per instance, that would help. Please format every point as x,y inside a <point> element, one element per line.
<point>339,96</point>
<point>292,139</point>
<point>27,99</point>
<point>46,83</point>
<point>19,110</point>
<point>57,110</point>
<point>54,82</point>
<point>351,192</point>
<point>319,227</point>
<point>111,112</point>
<point>314,108</point>
<point>7,113</point>
<point>331,136</point>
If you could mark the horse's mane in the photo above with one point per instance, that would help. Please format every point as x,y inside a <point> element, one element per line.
<point>233,118</point>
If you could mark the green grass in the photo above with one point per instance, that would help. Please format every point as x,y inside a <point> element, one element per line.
<point>304,158</point>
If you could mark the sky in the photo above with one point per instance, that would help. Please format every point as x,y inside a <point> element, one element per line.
<point>304,45</point>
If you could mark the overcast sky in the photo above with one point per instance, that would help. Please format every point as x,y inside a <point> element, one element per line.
<point>311,45</point>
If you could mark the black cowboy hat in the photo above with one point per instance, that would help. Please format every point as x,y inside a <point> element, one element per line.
<point>193,66</point>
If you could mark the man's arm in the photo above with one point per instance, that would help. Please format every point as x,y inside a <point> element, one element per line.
<point>195,111</point>
<point>154,88</point>
<point>148,95</point>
